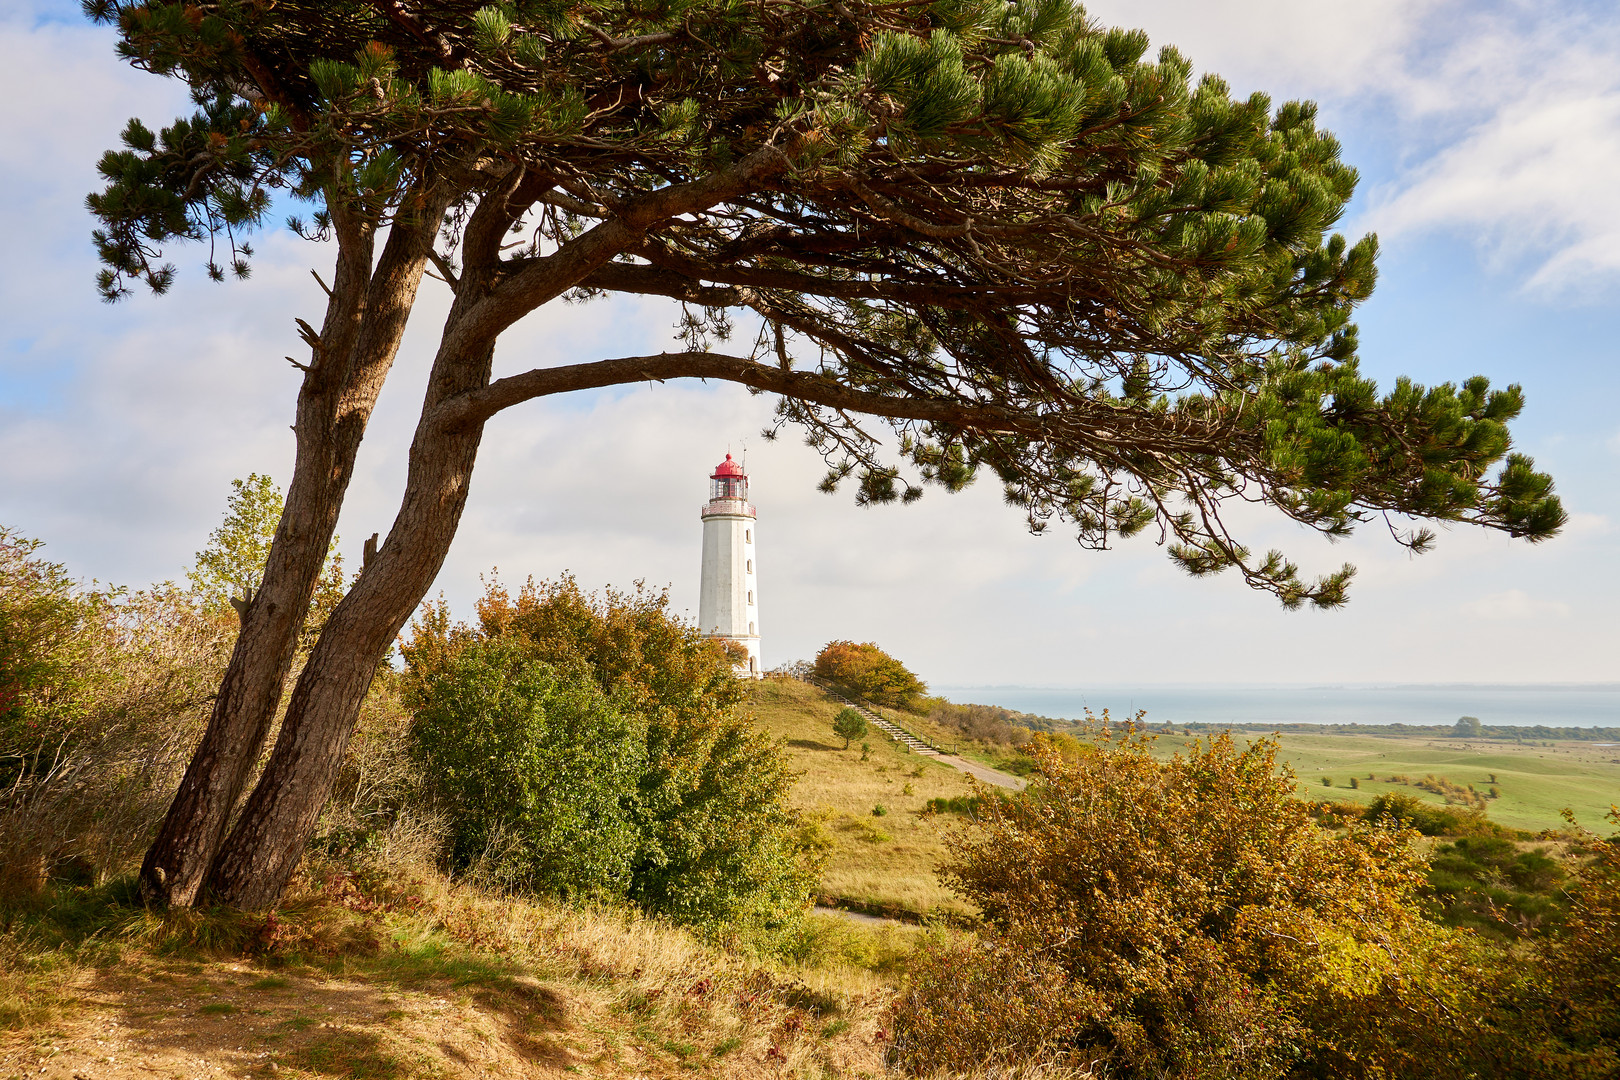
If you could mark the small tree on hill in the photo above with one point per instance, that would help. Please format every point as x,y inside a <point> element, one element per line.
<point>867,671</point>
<point>849,724</point>
<point>1033,249</point>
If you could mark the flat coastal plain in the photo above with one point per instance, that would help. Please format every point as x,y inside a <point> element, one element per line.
<point>1536,781</point>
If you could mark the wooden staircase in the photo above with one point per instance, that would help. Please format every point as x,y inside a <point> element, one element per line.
<point>916,743</point>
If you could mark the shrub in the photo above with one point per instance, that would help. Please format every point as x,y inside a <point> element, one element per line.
<point>102,693</point>
<point>1431,820</point>
<point>868,672</point>
<point>967,805</point>
<point>536,769</point>
<point>1488,884</point>
<point>984,723</point>
<point>716,843</point>
<point>1184,918</point>
<point>849,724</point>
<point>1572,988</point>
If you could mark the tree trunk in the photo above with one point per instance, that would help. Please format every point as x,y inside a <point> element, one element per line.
<point>359,339</point>
<point>264,848</point>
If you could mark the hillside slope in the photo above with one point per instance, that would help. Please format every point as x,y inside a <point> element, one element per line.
<point>422,979</point>
<point>878,862</point>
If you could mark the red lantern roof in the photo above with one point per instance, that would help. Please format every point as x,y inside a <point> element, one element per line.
<point>726,468</point>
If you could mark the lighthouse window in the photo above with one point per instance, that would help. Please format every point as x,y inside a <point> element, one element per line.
<point>751,629</point>
<point>750,566</point>
<point>750,596</point>
<point>748,536</point>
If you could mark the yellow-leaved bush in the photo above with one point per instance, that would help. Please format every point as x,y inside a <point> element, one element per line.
<point>1187,918</point>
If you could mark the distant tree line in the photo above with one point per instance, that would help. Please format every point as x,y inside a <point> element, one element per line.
<point>1496,732</point>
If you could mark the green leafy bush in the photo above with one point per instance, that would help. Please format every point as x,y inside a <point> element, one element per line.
<point>1429,819</point>
<point>1489,884</point>
<point>712,840</point>
<point>538,771</point>
<point>966,805</point>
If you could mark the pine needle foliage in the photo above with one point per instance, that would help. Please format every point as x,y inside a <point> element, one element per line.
<point>1034,247</point>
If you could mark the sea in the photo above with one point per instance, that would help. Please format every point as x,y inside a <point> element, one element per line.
<point>1553,705</point>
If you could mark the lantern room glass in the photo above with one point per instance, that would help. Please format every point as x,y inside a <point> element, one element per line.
<point>730,487</point>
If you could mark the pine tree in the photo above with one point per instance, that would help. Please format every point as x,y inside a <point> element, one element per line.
<point>1031,248</point>
<point>849,725</point>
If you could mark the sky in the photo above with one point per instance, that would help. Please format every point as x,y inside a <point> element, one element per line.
<point>1487,135</point>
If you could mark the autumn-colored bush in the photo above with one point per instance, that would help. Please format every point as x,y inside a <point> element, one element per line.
<point>985,723</point>
<point>102,692</point>
<point>1187,918</point>
<point>1563,1021</point>
<point>868,672</point>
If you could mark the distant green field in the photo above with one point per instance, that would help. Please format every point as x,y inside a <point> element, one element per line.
<point>1536,782</point>
<point>890,861</point>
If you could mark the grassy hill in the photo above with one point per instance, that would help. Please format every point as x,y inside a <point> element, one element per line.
<point>393,972</point>
<point>887,863</point>
<point>877,862</point>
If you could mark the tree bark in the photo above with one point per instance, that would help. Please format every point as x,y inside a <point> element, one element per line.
<point>364,324</point>
<point>263,850</point>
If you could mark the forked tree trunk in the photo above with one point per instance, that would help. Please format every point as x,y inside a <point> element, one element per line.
<point>265,846</point>
<point>365,322</point>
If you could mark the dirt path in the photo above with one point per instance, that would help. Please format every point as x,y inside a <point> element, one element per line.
<point>857,916</point>
<point>983,772</point>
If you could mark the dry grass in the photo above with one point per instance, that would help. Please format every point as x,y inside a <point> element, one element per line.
<point>417,977</point>
<point>878,862</point>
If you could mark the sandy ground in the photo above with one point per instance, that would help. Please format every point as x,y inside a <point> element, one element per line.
<point>983,773</point>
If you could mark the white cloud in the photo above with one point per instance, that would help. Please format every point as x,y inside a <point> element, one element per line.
<point>1533,183</point>
<point>1284,47</point>
<point>1514,605</point>
<point>1504,117</point>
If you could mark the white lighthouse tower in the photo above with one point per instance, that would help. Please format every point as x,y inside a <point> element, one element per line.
<point>728,606</point>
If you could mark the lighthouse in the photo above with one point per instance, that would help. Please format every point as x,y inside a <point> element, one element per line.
<point>728,606</point>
